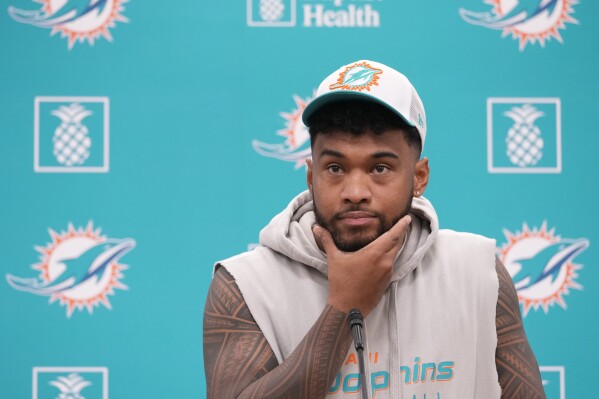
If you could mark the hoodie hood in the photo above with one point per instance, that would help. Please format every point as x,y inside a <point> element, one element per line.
<point>290,234</point>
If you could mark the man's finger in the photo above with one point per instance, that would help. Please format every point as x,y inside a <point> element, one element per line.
<point>393,238</point>
<point>323,239</point>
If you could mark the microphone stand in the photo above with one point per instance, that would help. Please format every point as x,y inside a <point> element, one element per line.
<point>356,323</point>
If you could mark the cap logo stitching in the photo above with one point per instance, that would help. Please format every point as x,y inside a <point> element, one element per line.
<point>359,76</point>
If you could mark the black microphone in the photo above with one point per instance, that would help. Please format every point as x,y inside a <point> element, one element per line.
<point>356,323</point>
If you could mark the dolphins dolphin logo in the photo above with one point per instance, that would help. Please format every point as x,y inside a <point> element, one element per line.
<point>547,263</point>
<point>70,11</point>
<point>296,148</point>
<point>77,20</point>
<point>355,78</point>
<point>527,20</point>
<point>92,264</point>
<point>524,11</point>
<point>284,152</point>
<point>359,76</point>
<point>542,265</point>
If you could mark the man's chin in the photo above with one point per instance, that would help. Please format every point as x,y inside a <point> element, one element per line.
<point>351,244</point>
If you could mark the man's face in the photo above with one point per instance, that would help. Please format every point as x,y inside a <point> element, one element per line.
<point>362,185</point>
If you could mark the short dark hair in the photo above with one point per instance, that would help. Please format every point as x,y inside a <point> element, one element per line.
<point>357,117</point>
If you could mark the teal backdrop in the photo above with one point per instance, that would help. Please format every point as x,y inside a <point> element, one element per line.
<point>169,108</point>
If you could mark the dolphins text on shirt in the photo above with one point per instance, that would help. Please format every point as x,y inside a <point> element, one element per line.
<point>419,372</point>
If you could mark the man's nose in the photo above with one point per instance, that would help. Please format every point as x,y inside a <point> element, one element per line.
<point>356,188</point>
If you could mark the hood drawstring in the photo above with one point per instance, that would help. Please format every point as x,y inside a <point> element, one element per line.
<point>394,350</point>
<point>367,362</point>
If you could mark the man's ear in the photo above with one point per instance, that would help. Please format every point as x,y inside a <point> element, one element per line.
<point>421,174</point>
<point>309,174</point>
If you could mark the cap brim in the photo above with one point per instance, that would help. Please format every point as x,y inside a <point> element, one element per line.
<point>335,96</point>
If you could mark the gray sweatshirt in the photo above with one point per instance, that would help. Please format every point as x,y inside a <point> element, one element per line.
<point>432,335</point>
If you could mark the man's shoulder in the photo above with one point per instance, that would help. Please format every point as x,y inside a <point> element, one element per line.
<point>467,250</point>
<point>258,261</point>
<point>448,235</point>
<point>249,256</point>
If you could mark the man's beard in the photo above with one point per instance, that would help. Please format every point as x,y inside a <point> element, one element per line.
<point>360,240</point>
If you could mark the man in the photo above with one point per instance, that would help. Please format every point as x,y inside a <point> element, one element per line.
<point>442,318</point>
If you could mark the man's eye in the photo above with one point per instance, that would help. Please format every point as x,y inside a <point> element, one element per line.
<point>380,169</point>
<point>335,169</point>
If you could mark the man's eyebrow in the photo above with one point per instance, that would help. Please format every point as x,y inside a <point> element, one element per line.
<point>376,155</point>
<point>384,154</point>
<point>332,153</point>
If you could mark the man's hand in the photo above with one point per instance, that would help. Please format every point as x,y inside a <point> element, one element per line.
<point>359,279</point>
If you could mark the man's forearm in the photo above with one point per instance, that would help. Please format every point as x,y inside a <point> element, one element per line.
<point>239,362</point>
<point>311,368</point>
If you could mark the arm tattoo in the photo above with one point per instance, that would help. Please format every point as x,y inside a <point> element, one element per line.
<point>239,362</point>
<point>517,366</point>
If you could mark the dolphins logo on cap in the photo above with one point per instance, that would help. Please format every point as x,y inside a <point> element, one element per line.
<point>359,76</point>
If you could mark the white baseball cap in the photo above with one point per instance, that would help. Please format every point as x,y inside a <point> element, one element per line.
<point>375,82</point>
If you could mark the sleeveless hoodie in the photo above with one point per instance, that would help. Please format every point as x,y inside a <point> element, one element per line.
<point>432,335</point>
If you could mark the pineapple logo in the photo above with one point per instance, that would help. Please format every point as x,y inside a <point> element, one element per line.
<point>71,383</point>
<point>271,13</point>
<point>71,134</point>
<point>554,381</point>
<point>524,141</point>
<point>71,141</point>
<point>271,10</point>
<point>524,135</point>
<point>70,386</point>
